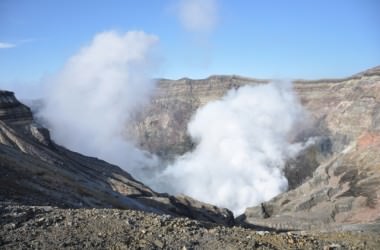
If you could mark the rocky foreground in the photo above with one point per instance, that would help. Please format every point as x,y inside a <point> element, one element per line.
<point>24,227</point>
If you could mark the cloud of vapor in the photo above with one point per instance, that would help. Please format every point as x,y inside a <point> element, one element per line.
<point>7,45</point>
<point>88,102</point>
<point>198,16</point>
<point>243,141</point>
<point>198,19</point>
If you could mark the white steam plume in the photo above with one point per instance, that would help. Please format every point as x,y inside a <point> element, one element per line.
<point>198,16</point>
<point>243,142</point>
<point>89,101</point>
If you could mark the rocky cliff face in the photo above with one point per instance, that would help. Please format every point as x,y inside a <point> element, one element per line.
<point>161,127</point>
<point>36,171</point>
<point>11,110</point>
<point>332,183</point>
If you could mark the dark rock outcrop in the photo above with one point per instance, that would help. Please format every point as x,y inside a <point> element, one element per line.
<point>11,110</point>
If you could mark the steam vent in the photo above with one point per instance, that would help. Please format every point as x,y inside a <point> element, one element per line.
<point>11,110</point>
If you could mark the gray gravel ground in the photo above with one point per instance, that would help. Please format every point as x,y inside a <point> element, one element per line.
<point>30,227</point>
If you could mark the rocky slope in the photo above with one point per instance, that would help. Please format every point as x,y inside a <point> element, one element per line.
<point>332,183</point>
<point>36,171</point>
<point>31,227</point>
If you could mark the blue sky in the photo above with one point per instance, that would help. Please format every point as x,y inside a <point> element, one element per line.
<point>265,39</point>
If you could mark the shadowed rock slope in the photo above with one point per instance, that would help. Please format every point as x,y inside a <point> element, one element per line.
<point>36,171</point>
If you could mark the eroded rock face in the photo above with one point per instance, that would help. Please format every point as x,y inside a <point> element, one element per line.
<point>36,171</point>
<point>342,192</point>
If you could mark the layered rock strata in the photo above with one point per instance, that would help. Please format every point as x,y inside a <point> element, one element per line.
<point>11,110</point>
